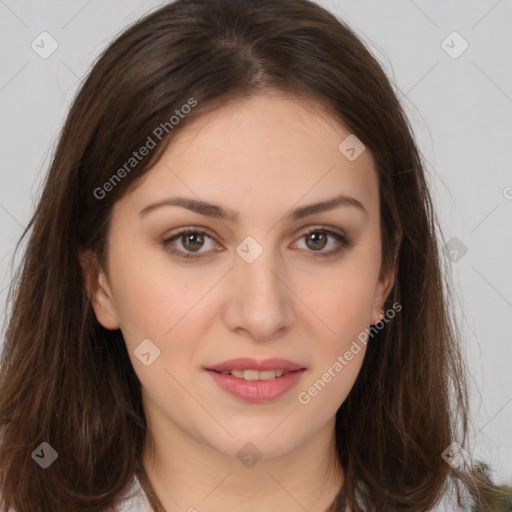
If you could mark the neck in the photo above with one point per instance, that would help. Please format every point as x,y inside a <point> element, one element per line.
<point>187,475</point>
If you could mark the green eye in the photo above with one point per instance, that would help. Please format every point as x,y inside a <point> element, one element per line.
<point>193,240</point>
<point>317,239</point>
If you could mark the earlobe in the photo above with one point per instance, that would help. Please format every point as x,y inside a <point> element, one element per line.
<point>98,291</point>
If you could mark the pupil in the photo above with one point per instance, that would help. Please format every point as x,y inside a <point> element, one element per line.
<point>194,238</point>
<point>316,237</point>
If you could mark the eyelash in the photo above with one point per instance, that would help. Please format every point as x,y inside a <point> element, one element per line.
<point>341,239</point>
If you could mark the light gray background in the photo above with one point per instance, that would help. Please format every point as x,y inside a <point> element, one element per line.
<point>460,109</point>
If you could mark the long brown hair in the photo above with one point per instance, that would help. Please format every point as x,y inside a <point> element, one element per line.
<point>67,381</point>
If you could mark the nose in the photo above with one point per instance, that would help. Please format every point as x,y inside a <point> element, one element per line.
<point>260,300</point>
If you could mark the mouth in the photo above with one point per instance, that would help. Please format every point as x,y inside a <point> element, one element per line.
<point>254,374</point>
<point>254,380</point>
<point>248,367</point>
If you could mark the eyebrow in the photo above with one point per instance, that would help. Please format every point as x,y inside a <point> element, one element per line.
<point>219,212</point>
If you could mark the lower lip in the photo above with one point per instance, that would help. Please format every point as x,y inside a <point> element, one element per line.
<point>257,390</point>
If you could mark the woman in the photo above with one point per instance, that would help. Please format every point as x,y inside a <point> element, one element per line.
<point>176,342</point>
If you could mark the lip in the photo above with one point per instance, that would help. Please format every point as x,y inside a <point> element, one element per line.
<point>257,391</point>
<point>248,363</point>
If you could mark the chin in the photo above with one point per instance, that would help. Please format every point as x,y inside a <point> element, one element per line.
<point>245,446</point>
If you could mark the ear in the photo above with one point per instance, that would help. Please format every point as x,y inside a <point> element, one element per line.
<point>98,291</point>
<point>384,286</point>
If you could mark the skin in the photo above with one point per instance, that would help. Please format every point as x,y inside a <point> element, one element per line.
<point>261,157</point>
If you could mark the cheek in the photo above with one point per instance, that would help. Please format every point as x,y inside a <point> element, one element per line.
<point>332,379</point>
<point>342,302</point>
<point>169,306</point>
<point>343,299</point>
<point>152,296</point>
<point>340,347</point>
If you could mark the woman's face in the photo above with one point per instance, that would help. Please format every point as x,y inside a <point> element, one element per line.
<point>256,285</point>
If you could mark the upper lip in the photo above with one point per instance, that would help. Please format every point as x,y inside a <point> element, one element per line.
<point>248,363</point>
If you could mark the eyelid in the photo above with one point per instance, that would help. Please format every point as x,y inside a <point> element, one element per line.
<point>187,229</point>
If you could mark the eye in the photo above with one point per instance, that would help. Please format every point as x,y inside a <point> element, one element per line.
<point>193,240</point>
<point>190,239</point>
<point>317,239</point>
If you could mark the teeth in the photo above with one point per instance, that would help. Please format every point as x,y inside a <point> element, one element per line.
<point>255,374</point>
<point>251,374</point>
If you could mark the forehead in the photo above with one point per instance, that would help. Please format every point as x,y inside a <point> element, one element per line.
<point>274,118</point>
<point>269,149</point>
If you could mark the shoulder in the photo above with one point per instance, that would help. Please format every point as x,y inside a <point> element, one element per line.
<point>449,499</point>
<point>134,500</point>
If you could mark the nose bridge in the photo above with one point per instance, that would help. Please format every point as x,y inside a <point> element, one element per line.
<point>256,266</point>
<point>261,301</point>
